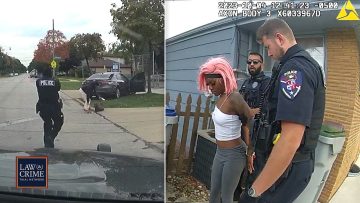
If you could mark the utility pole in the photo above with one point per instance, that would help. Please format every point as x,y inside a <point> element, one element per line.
<point>53,45</point>
<point>12,65</point>
<point>148,65</point>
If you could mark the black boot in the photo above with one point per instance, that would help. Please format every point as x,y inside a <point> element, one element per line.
<point>354,171</point>
<point>48,142</point>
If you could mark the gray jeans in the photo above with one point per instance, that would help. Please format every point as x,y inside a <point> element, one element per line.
<point>226,170</point>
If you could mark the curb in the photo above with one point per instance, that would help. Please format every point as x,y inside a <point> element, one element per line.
<point>149,144</point>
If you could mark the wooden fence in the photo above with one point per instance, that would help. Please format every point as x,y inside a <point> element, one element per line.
<point>179,157</point>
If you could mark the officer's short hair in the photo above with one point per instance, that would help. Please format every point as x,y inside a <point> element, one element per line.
<point>47,72</point>
<point>257,54</point>
<point>273,26</point>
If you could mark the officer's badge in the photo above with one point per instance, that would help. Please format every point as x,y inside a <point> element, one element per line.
<point>255,84</point>
<point>290,83</point>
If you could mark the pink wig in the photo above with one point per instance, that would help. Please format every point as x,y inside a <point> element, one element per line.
<point>217,66</point>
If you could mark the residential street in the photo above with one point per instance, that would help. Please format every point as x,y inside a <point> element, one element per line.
<point>22,129</point>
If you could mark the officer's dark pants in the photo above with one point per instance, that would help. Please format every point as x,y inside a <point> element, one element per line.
<point>286,190</point>
<point>88,97</point>
<point>53,121</point>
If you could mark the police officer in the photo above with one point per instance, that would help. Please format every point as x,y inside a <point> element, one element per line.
<point>291,118</point>
<point>252,90</point>
<point>88,90</point>
<point>253,87</point>
<point>49,106</point>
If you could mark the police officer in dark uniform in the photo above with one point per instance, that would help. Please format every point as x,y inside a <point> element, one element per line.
<point>49,106</point>
<point>291,118</point>
<point>253,87</point>
<point>252,90</point>
<point>90,89</point>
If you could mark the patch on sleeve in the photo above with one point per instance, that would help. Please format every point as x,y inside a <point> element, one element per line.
<point>290,83</point>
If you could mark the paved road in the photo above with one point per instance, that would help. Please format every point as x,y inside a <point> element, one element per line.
<point>21,127</point>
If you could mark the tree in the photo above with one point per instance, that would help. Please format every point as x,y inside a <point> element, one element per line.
<point>73,61</point>
<point>87,46</point>
<point>44,51</point>
<point>139,25</point>
<point>124,50</point>
<point>10,64</point>
<point>37,65</point>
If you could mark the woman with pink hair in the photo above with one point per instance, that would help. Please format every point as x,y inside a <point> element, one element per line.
<point>231,115</point>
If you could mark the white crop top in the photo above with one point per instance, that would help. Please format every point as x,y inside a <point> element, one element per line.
<point>227,127</point>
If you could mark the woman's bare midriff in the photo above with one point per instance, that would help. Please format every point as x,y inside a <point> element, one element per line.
<point>228,144</point>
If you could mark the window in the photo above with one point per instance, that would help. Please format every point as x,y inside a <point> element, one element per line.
<point>268,62</point>
<point>315,47</point>
<point>123,77</point>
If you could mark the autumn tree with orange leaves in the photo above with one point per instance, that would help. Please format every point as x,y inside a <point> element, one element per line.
<point>44,54</point>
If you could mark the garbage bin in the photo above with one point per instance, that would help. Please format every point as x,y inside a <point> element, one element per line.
<point>171,119</point>
<point>330,143</point>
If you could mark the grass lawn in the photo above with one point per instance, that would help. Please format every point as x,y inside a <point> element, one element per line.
<point>70,83</point>
<point>67,85</point>
<point>66,78</point>
<point>134,101</point>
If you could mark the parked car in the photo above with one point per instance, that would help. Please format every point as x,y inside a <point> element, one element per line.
<point>33,75</point>
<point>16,74</point>
<point>115,84</point>
<point>61,74</point>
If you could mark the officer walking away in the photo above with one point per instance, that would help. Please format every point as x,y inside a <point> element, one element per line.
<point>49,106</point>
<point>254,87</point>
<point>291,118</point>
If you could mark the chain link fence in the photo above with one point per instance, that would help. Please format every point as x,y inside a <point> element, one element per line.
<point>141,62</point>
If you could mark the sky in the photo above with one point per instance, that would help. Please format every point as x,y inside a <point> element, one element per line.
<point>184,15</point>
<point>24,23</point>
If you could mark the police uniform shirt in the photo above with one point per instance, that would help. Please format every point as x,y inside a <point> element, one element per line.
<point>295,88</point>
<point>253,87</point>
<point>90,88</point>
<point>48,90</point>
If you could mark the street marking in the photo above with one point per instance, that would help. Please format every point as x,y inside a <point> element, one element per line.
<point>7,123</point>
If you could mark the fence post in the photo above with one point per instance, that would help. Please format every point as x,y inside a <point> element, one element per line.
<point>173,138</point>
<point>194,133</point>
<point>206,114</point>
<point>180,165</point>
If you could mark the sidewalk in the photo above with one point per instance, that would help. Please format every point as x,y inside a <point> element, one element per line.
<point>349,190</point>
<point>147,124</point>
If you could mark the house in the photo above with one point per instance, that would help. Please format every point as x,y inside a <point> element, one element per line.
<point>118,60</point>
<point>333,43</point>
<point>107,65</point>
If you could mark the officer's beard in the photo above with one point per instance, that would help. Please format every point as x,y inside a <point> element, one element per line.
<point>254,73</point>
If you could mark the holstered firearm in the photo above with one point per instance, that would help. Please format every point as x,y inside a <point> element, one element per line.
<point>264,129</point>
<point>264,132</point>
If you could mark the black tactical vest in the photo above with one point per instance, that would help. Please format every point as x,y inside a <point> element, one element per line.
<point>48,91</point>
<point>252,88</point>
<point>311,134</point>
<point>265,135</point>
